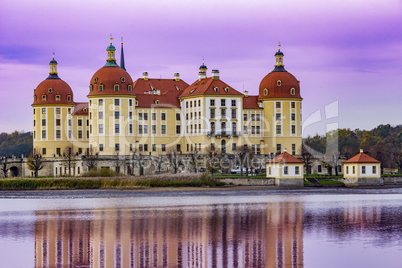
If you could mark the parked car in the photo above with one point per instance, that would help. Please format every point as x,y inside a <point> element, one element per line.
<point>237,170</point>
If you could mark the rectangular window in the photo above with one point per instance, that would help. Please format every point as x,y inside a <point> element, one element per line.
<point>258,117</point>
<point>363,169</point>
<point>177,129</point>
<point>177,116</point>
<point>278,129</point>
<point>87,122</point>
<point>116,102</point>
<point>278,104</point>
<point>278,117</point>
<point>101,147</point>
<point>153,147</point>
<point>140,147</point>
<point>233,103</point>
<point>258,149</point>
<point>79,122</point>
<point>233,113</point>
<point>244,117</point>
<point>212,113</point>
<point>43,122</point>
<point>319,169</point>
<point>293,129</point>
<point>58,134</point>
<point>116,115</point>
<point>258,129</point>
<point>293,149</point>
<point>153,129</point>
<point>353,169</point>
<point>145,116</point>
<point>153,116</point>
<point>163,147</point>
<point>278,148</point>
<point>79,134</point>
<point>199,102</point>
<point>117,147</point>
<point>130,115</point>
<point>100,103</point>
<point>139,116</point>
<point>43,150</point>
<point>191,104</point>
<point>252,129</point>
<point>293,117</point>
<point>292,104</point>
<point>163,130</point>
<point>100,128</point>
<point>212,103</point>
<point>178,147</point>
<point>223,112</point>
<point>285,170</point>
<point>163,116</point>
<point>145,147</point>
<point>347,170</point>
<point>374,170</point>
<point>100,115</point>
<point>130,128</point>
<point>57,110</point>
<point>140,129</point>
<point>233,147</point>
<point>69,122</point>
<point>297,170</point>
<point>58,152</point>
<point>43,134</point>
<point>88,134</point>
<point>69,134</point>
<point>43,110</point>
<point>223,102</point>
<point>145,129</point>
<point>186,104</point>
<point>253,117</point>
<point>100,87</point>
<point>116,128</point>
<point>244,129</point>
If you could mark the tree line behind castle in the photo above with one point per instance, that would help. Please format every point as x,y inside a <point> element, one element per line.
<point>384,143</point>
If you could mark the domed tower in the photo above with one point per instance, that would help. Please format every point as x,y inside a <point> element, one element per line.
<point>53,102</point>
<point>280,93</point>
<point>111,108</point>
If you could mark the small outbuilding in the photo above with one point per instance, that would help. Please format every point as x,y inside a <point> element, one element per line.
<point>286,169</point>
<point>362,170</point>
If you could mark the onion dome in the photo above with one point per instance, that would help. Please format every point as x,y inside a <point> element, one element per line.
<point>53,90</point>
<point>111,79</point>
<point>279,83</point>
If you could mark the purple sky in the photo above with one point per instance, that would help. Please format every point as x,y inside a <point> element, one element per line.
<point>344,51</point>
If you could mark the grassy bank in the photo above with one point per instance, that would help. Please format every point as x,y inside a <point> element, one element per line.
<point>165,180</point>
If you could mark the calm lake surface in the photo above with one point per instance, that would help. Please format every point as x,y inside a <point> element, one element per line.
<point>230,228</point>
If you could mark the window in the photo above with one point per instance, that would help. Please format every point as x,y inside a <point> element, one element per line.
<point>223,112</point>
<point>245,117</point>
<point>145,147</point>
<point>43,134</point>
<point>285,170</point>
<point>130,115</point>
<point>199,102</point>
<point>116,115</point>
<point>100,102</point>
<point>234,128</point>
<point>101,147</point>
<point>347,170</point>
<point>139,116</point>
<point>153,129</point>
<point>116,87</point>
<point>163,147</point>
<point>145,116</point>
<point>293,117</point>
<point>363,169</point>
<point>57,110</point>
<point>34,123</point>
<point>117,147</point>
<point>374,170</point>
<point>278,116</point>
<point>58,122</point>
<point>79,122</point>
<point>116,102</point>
<point>79,134</point>
<point>233,147</point>
<point>186,104</point>
<point>177,116</point>
<point>43,97</point>
<point>69,122</point>
<point>178,147</point>
<point>153,147</point>
<point>140,129</point>
<point>293,129</point>
<point>145,129</point>
<point>265,91</point>
<point>293,104</point>
<point>153,116</point>
<point>87,122</point>
<point>233,113</point>
<point>319,169</point>
<point>223,102</point>
<point>43,122</point>
<point>88,133</point>
<point>68,98</point>
<point>116,128</point>
<point>130,102</point>
<point>140,147</point>
<point>297,170</point>
<point>279,83</point>
<point>278,148</point>
<point>245,130</point>
<point>212,113</point>
<point>258,129</point>
<point>252,129</point>
<point>258,149</point>
<point>278,129</point>
<point>191,104</point>
<point>58,152</point>
<point>57,97</point>
<point>58,134</point>
<point>253,117</point>
<point>69,134</point>
<point>293,149</point>
<point>129,88</point>
<point>100,88</point>
<point>257,117</point>
<point>212,103</point>
<point>278,104</point>
<point>353,169</point>
<point>43,110</point>
<point>233,103</point>
<point>123,80</point>
<point>100,115</point>
<point>292,91</point>
<point>43,150</point>
<point>100,128</point>
<point>212,127</point>
<point>163,116</point>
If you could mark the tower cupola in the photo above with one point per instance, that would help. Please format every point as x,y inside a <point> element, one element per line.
<point>53,69</point>
<point>111,58</point>
<point>203,71</point>
<point>279,66</point>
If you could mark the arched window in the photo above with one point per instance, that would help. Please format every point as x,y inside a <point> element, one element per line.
<point>129,88</point>
<point>265,91</point>
<point>292,91</point>
<point>279,82</point>
<point>223,146</point>
<point>43,97</point>
<point>68,98</point>
<point>116,87</point>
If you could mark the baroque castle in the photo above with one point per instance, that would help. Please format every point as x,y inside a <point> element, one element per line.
<point>152,116</point>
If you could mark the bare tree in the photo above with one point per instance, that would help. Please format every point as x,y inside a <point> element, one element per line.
<point>35,162</point>
<point>243,153</point>
<point>307,158</point>
<point>175,160</point>
<point>4,166</point>
<point>212,159</point>
<point>194,156</point>
<point>118,161</point>
<point>91,159</point>
<point>69,160</point>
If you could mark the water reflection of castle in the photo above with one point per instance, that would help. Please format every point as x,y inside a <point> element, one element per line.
<point>269,235</point>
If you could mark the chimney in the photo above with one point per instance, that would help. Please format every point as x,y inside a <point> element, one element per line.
<point>145,76</point>
<point>215,74</point>
<point>176,77</point>
<point>245,93</point>
<point>202,75</point>
<point>361,150</point>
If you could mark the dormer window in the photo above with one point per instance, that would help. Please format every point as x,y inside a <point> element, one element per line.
<point>279,83</point>
<point>50,90</point>
<point>191,91</point>
<point>34,98</point>
<point>226,89</point>
<point>68,98</point>
<point>43,97</point>
<point>96,80</point>
<point>136,103</point>
<point>85,110</point>
<point>129,88</point>
<point>265,91</point>
<point>123,80</point>
<point>100,88</point>
<point>157,102</point>
<point>57,97</point>
<point>216,89</point>
<point>292,91</point>
<point>91,88</point>
<point>116,87</point>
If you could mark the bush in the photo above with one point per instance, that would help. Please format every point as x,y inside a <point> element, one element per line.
<point>103,172</point>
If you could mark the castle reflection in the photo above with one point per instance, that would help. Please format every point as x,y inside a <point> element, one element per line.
<point>264,235</point>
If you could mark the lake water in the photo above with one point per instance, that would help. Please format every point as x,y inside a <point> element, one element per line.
<point>250,228</point>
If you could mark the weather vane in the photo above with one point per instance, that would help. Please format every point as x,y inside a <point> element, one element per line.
<point>111,38</point>
<point>279,46</point>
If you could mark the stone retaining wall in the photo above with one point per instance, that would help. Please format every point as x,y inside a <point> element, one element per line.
<point>392,180</point>
<point>249,181</point>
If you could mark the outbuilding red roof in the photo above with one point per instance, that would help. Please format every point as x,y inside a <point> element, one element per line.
<point>362,158</point>
<point>251,102</point>
<point>81,108</point>
<point>285,158</point>
<point>209,86</point>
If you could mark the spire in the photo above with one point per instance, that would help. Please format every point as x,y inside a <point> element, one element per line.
<point>122,55</point>
<point>111,59</point>
<point>279,66</point>
<point>53,69</point>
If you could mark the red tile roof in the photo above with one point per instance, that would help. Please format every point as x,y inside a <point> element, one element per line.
<point>362,158</point>
<point>270,82</point>
<point>251,102</point>
<point>285,158</point>
<point>207,86</point>
<point>81,108</point>
<point>58,88</point>
<point>166,100</point>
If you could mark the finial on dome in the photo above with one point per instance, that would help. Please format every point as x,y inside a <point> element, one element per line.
<point>279,46</point>
<point>53,53</point>
<point>111,38</point>
<point>122,39</point>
